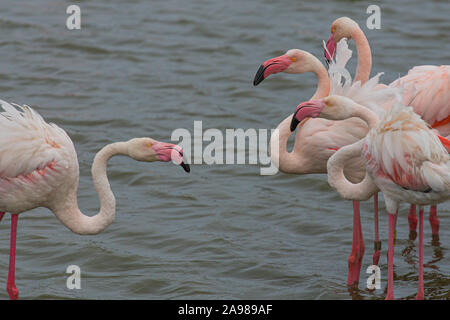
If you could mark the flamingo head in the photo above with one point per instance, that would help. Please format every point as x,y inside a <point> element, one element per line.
<point>331,108</point>
<point>149,150</point>
<point>341,28</point>
<point>290,62</point>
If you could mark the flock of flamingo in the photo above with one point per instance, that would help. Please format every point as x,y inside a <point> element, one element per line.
<point>366,136</point>
<point>369,137</point>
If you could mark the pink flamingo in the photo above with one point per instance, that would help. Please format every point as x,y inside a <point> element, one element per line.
<point>39,168</point>
<point>317,139</point>
<point>425,87</point>
<point>403,157</point>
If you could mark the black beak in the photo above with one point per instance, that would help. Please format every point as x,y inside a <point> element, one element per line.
<point>185,166</point>
<point>259,77</point>
<point>294,121</point>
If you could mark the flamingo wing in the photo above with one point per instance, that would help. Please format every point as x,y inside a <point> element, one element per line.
<point>32,153</point>
<point>427,90</point>
<point>403,149</point>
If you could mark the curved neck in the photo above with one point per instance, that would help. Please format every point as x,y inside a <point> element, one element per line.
<point>336,178</point>
<point>364,56</point>
<point>323,80</point>
<point>69,213</point>
<point>364,113</point>
<point>285,161</point>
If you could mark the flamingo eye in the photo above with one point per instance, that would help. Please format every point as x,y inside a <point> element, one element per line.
<point>149,145</point>
<point>333,29</point>
<point>294,59</point>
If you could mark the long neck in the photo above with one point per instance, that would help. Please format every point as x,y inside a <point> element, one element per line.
<point>323,81</point>
<point>69,213</point>
<point>336,178</point>
<point>364,56</point>
<point>284,160</point>
<point>364,113</point>
<point>287,161</point>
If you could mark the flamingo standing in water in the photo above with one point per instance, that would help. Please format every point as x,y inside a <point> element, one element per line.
<point>317,139</point>
<point>403,157</point>
<point>39,168</point>
<point>425,89</point>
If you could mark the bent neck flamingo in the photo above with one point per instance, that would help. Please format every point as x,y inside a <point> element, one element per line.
<point>403,157</point>
<point>424,88</point>
<point>39,168</point>
<point>317,139</point>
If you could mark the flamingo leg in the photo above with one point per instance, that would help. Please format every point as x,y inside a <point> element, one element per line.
<point>420,293</point>
<point>412,219</point>
<point>377,242</point>
<point>355,258</point>
<point>1,215</point>
<point>434,222</point>
<point>11,285</point>
<point>390,290</point>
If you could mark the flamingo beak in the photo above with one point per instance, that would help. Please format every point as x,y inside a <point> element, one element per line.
<point>330,50</point>
<point>308,109</point>
<point>168,151</point>
<point>271,66</point>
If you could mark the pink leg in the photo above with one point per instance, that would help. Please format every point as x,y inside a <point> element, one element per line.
<point>355,258</point>
<point>420,293</point>
<point>390,291</point>
<point>412,219</point>
<point>434,222</point>
<point>377,243</point>
<point>11,285</point>
<point>1,215</point>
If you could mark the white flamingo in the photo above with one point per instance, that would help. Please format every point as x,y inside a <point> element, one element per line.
<point>39,168</point>
<point>403,157</point>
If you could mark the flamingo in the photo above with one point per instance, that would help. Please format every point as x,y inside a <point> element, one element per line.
<point>425,89</point>
<point>39,168</point>
<point>317,139</point>
<point>403,157</point>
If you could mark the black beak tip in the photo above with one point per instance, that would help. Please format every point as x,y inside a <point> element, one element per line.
<point>259,77</point>
<point>186,167</point>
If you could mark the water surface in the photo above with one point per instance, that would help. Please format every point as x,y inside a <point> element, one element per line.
<point>144,68</point>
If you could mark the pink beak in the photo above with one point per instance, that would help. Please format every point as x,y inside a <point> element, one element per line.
<point>308,109</point>
<point>168,151</point>
<point>331,49</point>
<point>271,66</point>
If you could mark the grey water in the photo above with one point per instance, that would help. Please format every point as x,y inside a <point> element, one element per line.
<point>145,68</point>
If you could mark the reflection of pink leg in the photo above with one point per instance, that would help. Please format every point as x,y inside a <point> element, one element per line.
<point>11,286</point>
<point>420,294</point>
<point>355,258</point>
<point>434,222</point>
<point>390,291</point>
<point>377,243</point>
<point>412,219</point>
